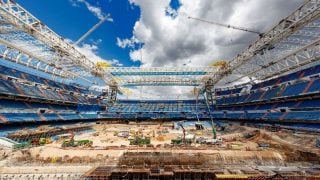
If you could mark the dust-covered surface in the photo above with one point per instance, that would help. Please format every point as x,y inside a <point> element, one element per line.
<point>240,146</point>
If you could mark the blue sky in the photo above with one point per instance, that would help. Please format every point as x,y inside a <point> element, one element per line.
<point>71,19</point>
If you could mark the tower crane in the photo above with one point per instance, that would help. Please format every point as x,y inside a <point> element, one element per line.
<point>106,18</point>
<point>226,25</point>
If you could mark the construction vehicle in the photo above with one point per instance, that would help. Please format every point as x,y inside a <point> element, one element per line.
<point>214,139</point>
<point>43,141</point>
<point>73,143</point>
<point>177,141</point>
<point>182,140</point>
<point>138,138</point>
<point>183,131</point>
<point>140,141</point>
<point>21,145</point>
<point>35,142</point>
<point>199,126</point>
<point>214,132</point>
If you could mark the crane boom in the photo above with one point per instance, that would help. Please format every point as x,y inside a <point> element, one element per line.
<point>214,132</point>
<point>184,132</point>
<point>93,28</point>
<point>227,26</point>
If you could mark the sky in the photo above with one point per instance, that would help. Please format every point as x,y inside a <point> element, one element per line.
<point>153,33</point>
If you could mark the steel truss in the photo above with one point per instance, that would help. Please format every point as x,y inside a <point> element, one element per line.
<point>301,17</point>
<point>162,81</point>
<point>68,56</point>
<point>13,53</point>
<point>292,43</point>
<point>286,46</point>
<point>305,55</point>
<point>19,57</point>
<point>165,76</point>
<point>160,71</point>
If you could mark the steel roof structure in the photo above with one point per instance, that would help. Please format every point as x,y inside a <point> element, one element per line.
<point>291,44</point>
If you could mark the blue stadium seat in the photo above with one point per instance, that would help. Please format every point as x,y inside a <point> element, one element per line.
<point>295,89</point>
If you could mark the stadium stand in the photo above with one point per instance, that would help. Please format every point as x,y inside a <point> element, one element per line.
<point>292,97</point>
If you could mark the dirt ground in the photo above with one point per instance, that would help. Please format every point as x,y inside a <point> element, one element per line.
<point>240,146</point>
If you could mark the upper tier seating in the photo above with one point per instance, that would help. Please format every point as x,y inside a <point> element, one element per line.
<point>300,88</point>
<point>13,104</point>
<point>18,89</point>
<point>32,78</point>
<point>293,101</point>
<point>289,77</point>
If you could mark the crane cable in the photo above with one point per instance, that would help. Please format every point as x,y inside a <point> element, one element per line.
<point>227,26</point>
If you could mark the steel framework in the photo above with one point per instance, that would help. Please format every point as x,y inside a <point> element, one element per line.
<point>18,26</point>
<point>291,44</point>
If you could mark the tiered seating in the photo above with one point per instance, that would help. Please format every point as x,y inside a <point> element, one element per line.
<point>294,89</point>
<point>227,92</point>
<point>13,104</point>
<point>298,100</point>
<point>15,88</point>
<point>12,111</point>
<point>299,74</point>
<point>161,106</point>
<point>32,78</point>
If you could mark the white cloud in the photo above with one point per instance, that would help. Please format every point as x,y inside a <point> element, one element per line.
<point>116,62</point>
<point>95,10</point>
<point>175,40</point>
<point>90,51</point>
<point>123,43</point>
<point>159,92</point>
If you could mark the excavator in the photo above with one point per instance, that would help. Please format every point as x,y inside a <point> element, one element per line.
<point>183,131</point>
<point>214,132</point>
<point>178,140</point>
<point>73,143</point>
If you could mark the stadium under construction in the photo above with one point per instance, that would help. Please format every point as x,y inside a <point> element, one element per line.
<point>54,125</point>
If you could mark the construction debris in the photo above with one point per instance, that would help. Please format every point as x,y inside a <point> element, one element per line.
<point>156,149</point>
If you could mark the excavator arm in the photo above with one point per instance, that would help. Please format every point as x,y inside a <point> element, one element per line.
<point>184,132</point>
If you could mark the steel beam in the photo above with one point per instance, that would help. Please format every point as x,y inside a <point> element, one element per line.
<point>303,56</point>
<point>300,18</point>
<point>14,14</point>
<point>161,71</point>
<point>307,13</point>
<point>13,53</point>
